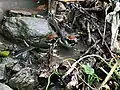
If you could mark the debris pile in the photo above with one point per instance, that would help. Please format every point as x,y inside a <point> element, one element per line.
<point>96,23</point>
<point>75,47</point>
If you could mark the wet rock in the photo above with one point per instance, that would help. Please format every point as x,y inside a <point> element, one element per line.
<point>22,12</point>
<point>2,72</point>
<point>1,14</point>
<point>5,44</point>
<point>6,63</point>
<point>17,67</point>
<point>3,47</point>
<point>27,29</point>
<point>4,87</point>
<point>25,79</point>
<point>9,62</point>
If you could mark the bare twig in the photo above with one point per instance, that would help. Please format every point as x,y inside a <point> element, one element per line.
<point>109,75</point>
<point>26,43</point>
<point>105,25</point>
<point>24,50</point>
<point>86,83</point>
<point>74,64</point>
<point>101,68</point>
<point>89,34</point>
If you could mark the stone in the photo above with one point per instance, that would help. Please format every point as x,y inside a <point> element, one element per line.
<point>4,87</point>
<point>23,12</point>
<point>9,62</point>
<point>29,29</point>
<point>1,14</point>
<point>25,79</point>
<point>17,67</point>
<point>6,63</point>
<point>2,72</point>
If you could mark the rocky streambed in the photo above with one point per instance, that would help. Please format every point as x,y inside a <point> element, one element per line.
<point>67,50</point>
<point>29,62</point>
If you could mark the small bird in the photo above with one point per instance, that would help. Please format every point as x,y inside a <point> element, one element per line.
<point>52,37</point>
<point>71,39</point>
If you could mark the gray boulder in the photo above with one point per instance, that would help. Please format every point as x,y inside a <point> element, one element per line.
<point>25,79</point>
<point>4,87</point>
<point>29,29</point>
<point>6,62</point>
<point>9,62</point>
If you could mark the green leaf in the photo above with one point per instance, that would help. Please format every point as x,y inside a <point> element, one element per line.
<point>88,69</point>
<point>92,78</point>
<point>117,52</point>
<point>4,53</point>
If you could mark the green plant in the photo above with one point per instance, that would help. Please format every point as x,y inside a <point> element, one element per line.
<point>91,74</point>
<point>4,53</point>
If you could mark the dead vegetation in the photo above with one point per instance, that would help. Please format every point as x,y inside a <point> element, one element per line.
<point>79,51</point>
<point>96,22</point>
